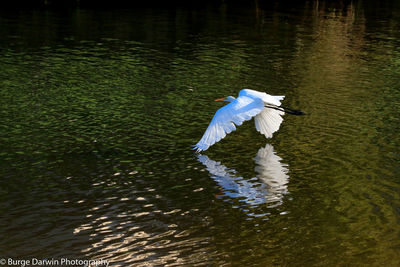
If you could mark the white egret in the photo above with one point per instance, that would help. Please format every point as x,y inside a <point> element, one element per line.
<point>265,109</point>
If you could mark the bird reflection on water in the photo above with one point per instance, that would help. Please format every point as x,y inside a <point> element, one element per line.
<point>268,186</point>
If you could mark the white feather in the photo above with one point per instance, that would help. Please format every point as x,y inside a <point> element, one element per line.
<point>268,99</point>
<point>268,121</point>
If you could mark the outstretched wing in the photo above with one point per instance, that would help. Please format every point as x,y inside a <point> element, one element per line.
<point>268,99</point>
<point>268,121</point>
<point>241,109</point>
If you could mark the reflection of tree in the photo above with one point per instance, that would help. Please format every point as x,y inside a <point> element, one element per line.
<point>342,71</point>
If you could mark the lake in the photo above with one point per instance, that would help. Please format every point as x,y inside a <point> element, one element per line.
<point>100,108</point>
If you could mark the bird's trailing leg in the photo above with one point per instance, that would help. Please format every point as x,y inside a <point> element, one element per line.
<point>286,110</point>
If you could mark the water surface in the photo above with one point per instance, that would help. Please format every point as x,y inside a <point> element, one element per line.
<point>99,109</point>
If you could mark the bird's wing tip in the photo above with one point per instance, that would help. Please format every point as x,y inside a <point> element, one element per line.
<point>196,148</point>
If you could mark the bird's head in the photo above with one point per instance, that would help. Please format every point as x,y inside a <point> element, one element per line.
<point>226,99</point>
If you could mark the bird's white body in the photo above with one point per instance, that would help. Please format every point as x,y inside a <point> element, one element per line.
<point>249,104</point>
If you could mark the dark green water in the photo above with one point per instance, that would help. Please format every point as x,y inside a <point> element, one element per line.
<point>99,109</point>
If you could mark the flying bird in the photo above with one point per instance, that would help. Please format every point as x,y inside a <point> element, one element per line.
<point>266,110</point>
